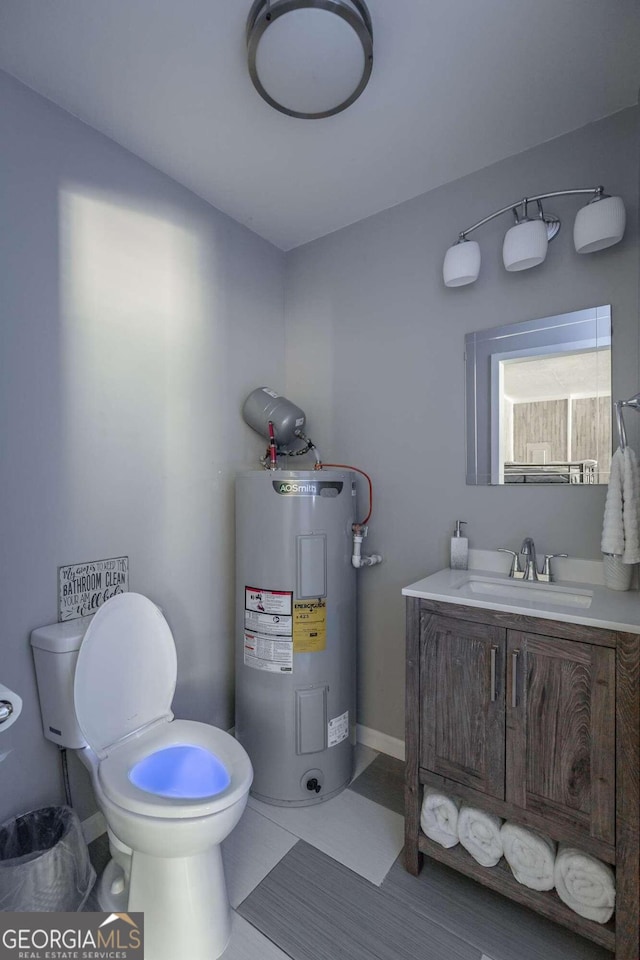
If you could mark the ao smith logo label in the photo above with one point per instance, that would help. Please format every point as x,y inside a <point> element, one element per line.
<point>71,936</point>
<point>309,488</point>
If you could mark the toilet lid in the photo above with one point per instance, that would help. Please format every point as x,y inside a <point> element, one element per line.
<point>126,671</point>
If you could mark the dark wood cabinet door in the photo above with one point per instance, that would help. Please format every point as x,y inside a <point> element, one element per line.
<point>560,714</point>
<point>462,691</point>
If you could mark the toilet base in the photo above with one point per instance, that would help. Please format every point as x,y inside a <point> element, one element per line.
<point>113,897</point>
<point>185,905</point>
<point>112,891</point>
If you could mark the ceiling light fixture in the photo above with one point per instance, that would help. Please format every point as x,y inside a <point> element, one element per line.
<point>598,225</point>
<point>309,58</point>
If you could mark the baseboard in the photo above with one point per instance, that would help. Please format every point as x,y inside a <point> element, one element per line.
<point>381,742</point>
<point>94,826</point>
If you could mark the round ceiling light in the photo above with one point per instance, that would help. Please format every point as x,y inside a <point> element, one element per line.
<point>309,58</point>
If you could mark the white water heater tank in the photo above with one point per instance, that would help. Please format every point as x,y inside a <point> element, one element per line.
<point>296,632</point>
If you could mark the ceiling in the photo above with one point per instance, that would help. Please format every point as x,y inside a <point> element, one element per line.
<point>586,374</point>
<point>456,85</point>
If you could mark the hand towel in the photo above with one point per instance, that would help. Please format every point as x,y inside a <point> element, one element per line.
<point>585,884</point>
<point>612,526</point>
<point>631,507</point>
<point>621,523</point>
<point>530,855</point>
<point>439,817</point>
<point>479,834</point>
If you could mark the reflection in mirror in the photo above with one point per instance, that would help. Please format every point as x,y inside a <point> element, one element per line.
<point>539,401</point>
<point>555,418</point>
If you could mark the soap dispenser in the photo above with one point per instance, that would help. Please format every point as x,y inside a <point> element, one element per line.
<point>459,548</point>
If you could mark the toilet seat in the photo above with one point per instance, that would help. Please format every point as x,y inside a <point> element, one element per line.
<point>113,772</point>
<point>180,772</point>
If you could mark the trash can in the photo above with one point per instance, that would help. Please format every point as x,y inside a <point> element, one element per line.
<point>44,862</point>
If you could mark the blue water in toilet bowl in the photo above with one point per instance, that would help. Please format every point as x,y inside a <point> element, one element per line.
<point>182,772</point>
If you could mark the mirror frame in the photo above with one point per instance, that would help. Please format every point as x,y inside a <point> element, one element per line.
<point>485,349</point>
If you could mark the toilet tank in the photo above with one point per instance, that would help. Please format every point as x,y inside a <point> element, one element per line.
<point>55,652</point>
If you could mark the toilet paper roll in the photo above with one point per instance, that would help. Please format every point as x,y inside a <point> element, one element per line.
<point>15,706</point>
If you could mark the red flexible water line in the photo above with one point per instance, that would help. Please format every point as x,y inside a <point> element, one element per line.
<point>346,466</point>
<point>273,456</point>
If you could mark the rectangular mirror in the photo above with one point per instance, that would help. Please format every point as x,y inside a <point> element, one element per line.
<point>538,400</point>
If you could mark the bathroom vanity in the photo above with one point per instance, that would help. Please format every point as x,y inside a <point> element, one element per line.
<point>526,704</point>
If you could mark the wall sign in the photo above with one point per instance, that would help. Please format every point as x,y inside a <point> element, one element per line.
<point>84,587</point>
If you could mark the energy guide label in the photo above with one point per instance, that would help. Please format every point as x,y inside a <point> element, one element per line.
<point>268,653</point>
<point>310,625</point>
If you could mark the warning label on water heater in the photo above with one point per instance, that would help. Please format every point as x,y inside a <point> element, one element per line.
<point>267,653</point>
<point>338,729</point>
<point>272,624</point>
<point>268,601</point>
<point>268,630</point>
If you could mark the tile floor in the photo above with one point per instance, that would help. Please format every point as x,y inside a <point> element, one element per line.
<point>327,883</point>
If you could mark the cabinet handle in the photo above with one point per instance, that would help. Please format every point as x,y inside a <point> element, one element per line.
<point>494,651</point>
<point>514,678</point>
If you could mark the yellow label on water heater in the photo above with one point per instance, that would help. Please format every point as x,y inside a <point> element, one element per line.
<point>309,626</point>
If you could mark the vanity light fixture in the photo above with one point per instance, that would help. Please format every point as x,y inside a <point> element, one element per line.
<point>309,58</point>
<point>599,224</point>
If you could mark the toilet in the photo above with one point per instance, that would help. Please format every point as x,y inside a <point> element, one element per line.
<point>170,790</point>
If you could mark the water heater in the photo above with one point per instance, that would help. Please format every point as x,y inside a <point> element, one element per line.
<point>296,631</point>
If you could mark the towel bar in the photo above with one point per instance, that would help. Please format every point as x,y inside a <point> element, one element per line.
<point>619,404</point>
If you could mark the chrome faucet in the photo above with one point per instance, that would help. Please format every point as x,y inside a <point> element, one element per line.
<point>530,572</point>
<point>528,550</point>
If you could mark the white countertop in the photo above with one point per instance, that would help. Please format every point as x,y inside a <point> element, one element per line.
<point>609,609</point>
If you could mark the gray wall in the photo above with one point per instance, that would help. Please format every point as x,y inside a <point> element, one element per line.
<point>134,319</point>
<point>375,357</point>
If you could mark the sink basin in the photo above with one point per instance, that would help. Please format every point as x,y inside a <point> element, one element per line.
<point>520,591</point>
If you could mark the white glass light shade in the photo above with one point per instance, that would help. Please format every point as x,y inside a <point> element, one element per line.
<point>309,58</point>
<point>461,264</point>
<point>525,245</point>
<point>598,225</point>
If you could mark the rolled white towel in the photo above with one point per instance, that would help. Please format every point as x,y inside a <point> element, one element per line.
<point>585,884</point>
<point>530,855</point>
<point>479,834</point>
<point>439,817</point>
